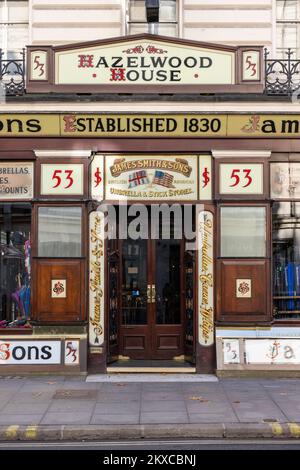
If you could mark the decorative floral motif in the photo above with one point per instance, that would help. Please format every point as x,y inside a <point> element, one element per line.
<point>243,288</point>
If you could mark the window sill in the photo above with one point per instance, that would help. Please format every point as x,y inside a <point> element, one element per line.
<point>15,331</point>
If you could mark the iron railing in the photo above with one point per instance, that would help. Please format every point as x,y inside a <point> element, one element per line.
<point>12,74</point>
<point>282,76</point>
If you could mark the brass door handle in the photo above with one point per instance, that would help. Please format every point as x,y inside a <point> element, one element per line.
<point>153,289</point>
<point>149,294</point>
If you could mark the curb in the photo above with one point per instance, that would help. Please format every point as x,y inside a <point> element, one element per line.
<point>69,433</point>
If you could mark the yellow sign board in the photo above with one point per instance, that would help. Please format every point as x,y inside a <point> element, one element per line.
<point>150,125</point>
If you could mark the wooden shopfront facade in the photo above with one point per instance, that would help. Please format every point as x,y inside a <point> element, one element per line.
<point>73,299</point>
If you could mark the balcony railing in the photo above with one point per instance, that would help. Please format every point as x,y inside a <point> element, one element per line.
<point>12,74</point>
<point>282,76</point>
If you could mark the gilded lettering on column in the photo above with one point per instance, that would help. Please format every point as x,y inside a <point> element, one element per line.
<point>96,287</point>
<point>206,279</point>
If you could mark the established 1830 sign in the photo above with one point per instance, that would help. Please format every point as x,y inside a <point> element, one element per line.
<point>147,63</point>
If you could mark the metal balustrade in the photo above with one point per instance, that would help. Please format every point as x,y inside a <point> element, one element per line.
<point>282,76</point>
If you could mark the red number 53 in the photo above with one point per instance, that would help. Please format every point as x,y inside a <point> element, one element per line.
<point>236,175</point>
<point>57,176</point>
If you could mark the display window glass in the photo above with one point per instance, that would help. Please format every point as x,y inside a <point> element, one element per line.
<point>243,232</point>
<point>15,265</point>
<point>286,260</point>
<point>59,231</point>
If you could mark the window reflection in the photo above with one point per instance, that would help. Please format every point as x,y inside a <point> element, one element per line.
<point>59,232</point>
<point>15,265</point>
<point>286,260</point>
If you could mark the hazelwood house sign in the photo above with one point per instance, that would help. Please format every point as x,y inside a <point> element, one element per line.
<point>146,62</point>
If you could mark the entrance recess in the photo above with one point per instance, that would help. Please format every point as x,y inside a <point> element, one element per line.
<point>151,304</point>
<point>151,324</point>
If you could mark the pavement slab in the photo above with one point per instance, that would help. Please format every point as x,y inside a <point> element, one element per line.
<point>265,406</point>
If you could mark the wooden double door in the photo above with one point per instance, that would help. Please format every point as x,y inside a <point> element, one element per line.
<point>151,324</point>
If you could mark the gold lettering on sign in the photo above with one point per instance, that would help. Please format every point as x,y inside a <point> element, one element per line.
<point>206,313</point>
<point>179,166</point>
<point>96,281</point>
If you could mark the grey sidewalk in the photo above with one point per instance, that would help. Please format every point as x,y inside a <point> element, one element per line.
<point>59,404</point>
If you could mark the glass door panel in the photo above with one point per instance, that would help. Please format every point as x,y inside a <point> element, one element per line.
<point>134,282</point>
<point>167,276</point>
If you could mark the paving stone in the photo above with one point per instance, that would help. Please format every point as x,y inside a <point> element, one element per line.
<point>115,419</point>
<point>67,418</point>
<point>161,396</point>
<point>25,408</point>
<point>115,397</point>
<point>117,408</point>
<point>69,394</point>
<point>19,419</point>
<point>172,405</point>
<point>163,418</point>
<point>32,397</point>
<point>71,405</point>
<point>212,418</point>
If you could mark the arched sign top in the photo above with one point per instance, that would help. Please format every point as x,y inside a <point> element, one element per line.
<point>143,64</point>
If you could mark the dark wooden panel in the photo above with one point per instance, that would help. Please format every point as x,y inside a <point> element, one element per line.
<point>168,341</point>
<point>59,310</point>
<point>248,309</point>
<point>134,342</point>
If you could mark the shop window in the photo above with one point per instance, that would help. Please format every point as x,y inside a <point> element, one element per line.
<point>286,260</point>
<point>14,27</point>
<point>15,265</point>
<point>288,27</point>
<point>243,232</point>
<point>152,16</point>
<point>59,231</point>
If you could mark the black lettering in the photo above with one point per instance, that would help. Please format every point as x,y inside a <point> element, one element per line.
<point>171,125</point>
<point>116,62</point>
<point>102,61</point>
<point>177,62</point>
<point>290,127</point>
<point>158,61</point>
<point>175,76</point>
<point>161,75</point>
<point>15,354</point>
<point>132,62</point>
<point>99,126</point>
<point>136,125</point>
<point>149,77</point>
<point>208,62</point>
<point>33,125</point>
<point>33,348</point>
<point>190,62</point>
<point>132,75</point>
<point>110,125</point>
<point>215,125</point>
<point>80,125</point>
<point>268,126</point>
<point>46,352</point>
<point>10,123</point>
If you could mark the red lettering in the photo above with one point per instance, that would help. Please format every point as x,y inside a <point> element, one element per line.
<point>4,351</point>
<point>85,60</point>
<point>70,121</point>
<point>117,75</point>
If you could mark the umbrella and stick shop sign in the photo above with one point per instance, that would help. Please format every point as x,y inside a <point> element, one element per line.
<point>206,280</point>
<point>16,180</point>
